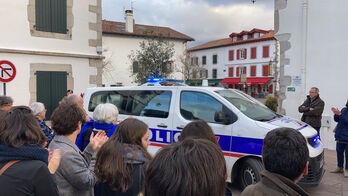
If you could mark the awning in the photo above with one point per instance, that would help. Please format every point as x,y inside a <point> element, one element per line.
<point>249,81</point>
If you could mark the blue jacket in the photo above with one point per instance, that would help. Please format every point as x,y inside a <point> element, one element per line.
<point>47,131</point>
<point>342,126</point>
<point>83,139</point>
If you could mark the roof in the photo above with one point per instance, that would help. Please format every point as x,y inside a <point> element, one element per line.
<point>269,35</point>
<point>119,28</point>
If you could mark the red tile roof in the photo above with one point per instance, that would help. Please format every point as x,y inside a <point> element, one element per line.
<point>229,42</point>
<point>112,27</point>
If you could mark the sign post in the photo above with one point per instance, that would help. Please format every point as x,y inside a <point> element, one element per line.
<point>8,73</point>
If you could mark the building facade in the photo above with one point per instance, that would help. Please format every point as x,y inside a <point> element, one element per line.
<point>54,45</point>
<point>121,39</point>
<point>245,60</point>
<point>313,47</point>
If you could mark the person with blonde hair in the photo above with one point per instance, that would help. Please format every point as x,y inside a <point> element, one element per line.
<point>105,119</point>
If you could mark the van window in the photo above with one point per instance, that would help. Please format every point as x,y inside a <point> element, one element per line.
<point>118,98</point>
<point>150,103</point>
<point>200,106</point>
<point>248,105</point>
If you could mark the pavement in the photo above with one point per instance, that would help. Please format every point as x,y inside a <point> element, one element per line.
<point>331,184</point>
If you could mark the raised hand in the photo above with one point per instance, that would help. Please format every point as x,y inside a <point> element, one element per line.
<point>98,140</point>
<point>336,111</point>
<point>53,160</point>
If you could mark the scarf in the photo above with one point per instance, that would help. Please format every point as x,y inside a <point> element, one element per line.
<point>134,154</point>
<point>108,128</point>
<point>25,152</point>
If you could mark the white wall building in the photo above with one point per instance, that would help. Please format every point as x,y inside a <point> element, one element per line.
<point>121,39</point>
<point>53,46</point>
<point>252,53</point>
<point>313,47</point>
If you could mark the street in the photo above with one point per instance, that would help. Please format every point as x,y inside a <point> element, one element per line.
<point>331,184</point>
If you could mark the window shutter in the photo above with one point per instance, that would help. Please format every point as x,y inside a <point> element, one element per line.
<point>231,55</point>
<point>265,51</point>
<point>244,70</point>
<point>230,72</point>
<point>43,15</point>
<point>238,54</point>
<point>265,70</point>
<point>237,73</point>
<point>245,54</point>
<point>253,71</point>
<point>253,53</point>
<point>59,16</point>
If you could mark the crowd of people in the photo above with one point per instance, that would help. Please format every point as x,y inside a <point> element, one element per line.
<point>98,155</point>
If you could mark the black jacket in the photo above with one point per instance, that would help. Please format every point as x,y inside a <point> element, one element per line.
<point>313,118</point>
<point>27,177</point>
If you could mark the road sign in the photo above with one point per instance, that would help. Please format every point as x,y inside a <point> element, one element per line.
<point>7,71</point>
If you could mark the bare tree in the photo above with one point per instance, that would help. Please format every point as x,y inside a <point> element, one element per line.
<point>188,67</point>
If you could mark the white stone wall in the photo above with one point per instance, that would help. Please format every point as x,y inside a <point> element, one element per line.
<point>325,64</point>
<point>15,29</point>
<point>223,58</point>
<point>117,49</point>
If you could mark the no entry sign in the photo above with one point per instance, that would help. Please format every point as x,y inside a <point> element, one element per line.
<point>7,71</point>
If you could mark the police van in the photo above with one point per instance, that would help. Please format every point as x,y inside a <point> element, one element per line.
<point>239,121</point>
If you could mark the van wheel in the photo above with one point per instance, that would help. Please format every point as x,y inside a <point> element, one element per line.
<point>250,172</point>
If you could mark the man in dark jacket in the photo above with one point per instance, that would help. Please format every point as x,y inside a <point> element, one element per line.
<point>312,109</point>
<point>341,136</point>
<point>285,158</point>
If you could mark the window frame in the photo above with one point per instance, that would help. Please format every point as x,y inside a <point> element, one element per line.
<point>204,60</point>
<point>215,62</point>
<point>216,73</point>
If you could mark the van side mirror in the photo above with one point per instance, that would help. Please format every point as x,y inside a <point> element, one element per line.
<point>221,117</point>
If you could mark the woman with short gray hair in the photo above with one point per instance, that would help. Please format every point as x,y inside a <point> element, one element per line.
<point>39,111</point>
<point>105,118</point>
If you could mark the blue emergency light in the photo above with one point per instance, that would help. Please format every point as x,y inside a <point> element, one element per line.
<point>153,80</point>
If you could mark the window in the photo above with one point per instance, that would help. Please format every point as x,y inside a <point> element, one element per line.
<point>200,106</point>
<point>215,59</point>
<point>204,60</point>
<point>214,73</point>
<point>206,73</point>
<point>265,70</point>
<point>241,70</point>
<point>234,39</point>
<point>230,72</point>
<point>253,53</point>
<point>242,53</point>
<point>138,103</point>
<point>253,71</point>
<point>265,51</point>
<point>231,55</point>
<point>51,16</point>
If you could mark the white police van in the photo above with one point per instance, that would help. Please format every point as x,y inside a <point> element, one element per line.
<point>239,121</point>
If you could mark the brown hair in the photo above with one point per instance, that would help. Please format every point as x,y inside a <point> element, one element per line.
<point>198,129</point>
<point>111,165</point>
<point>19,126</point>
<point>66,117</point>
<point>192,167</point>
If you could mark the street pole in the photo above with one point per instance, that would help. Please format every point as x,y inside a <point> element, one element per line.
<point>4,84</point>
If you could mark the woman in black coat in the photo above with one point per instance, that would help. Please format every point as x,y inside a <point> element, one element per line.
<point>25,168</point>
<point>122,160</point>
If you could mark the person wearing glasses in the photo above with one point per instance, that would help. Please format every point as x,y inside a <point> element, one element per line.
<point>39,111</point>
<point>312,109</point>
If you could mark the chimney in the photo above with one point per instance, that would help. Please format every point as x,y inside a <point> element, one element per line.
<point>129,21</point>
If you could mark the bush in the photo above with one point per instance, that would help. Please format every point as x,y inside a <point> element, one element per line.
<point>272,103</point>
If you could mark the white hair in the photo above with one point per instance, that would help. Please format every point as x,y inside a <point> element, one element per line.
<point>37,108</point>
<point>105,112</point>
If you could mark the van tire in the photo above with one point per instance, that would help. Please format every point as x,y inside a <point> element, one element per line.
<point>250,172</point>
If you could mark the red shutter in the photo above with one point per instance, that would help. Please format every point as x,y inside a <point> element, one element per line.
<point>259,89</point>
<point>238,54</point>
<point>231,55</point>
<point>244,70</point>
<point>253,53</point>
<point>265,51</point>
<point>270,88</point>
<point>245,53</point>
<point>230,72</point>
<point>253,71</point>
<point>237,72</point>
<point>265,70</point>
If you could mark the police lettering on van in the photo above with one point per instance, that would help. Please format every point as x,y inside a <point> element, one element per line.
<point>239,122</point>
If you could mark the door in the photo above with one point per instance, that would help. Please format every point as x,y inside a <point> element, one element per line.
<point>51,88</point>
<point>201,105</point>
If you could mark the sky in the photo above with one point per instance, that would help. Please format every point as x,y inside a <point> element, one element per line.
<point>203,20</point>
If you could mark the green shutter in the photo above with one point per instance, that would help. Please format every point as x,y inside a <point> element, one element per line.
<point>43,15</point>
<point>59,16</point>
